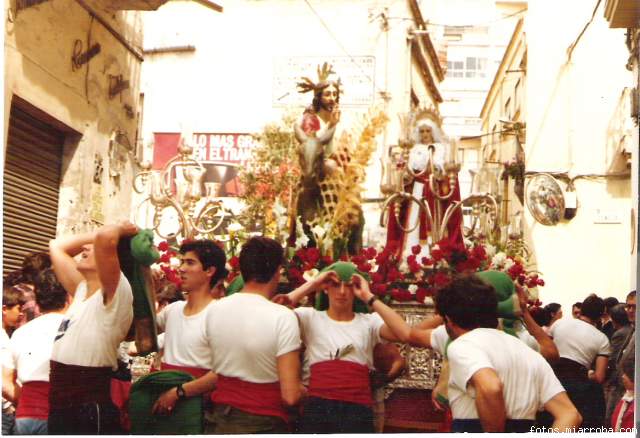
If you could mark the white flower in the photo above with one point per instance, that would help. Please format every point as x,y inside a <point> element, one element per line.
<point>498,260</point>
<point>281,222</point>
<point>404,267</point>
<point>301,241</point>
<point>508,263</point>
<point>442,264</point>
<point>174,262</point>
<point>490,250</point>
<point>278,209</point>
<point>310,274</point>
<point>234,227</point>
<point>468,243</point>
<point>413,288</point>
<point>318,232</point>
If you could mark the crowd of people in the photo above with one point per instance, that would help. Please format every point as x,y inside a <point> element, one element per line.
<point>254,361</point>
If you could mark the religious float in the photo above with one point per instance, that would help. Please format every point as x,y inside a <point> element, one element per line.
<point>303,187</point>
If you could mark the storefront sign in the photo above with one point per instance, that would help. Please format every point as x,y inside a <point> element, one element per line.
<point>221,154</point>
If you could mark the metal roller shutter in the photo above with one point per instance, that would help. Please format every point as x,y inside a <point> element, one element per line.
<point>31,185</point>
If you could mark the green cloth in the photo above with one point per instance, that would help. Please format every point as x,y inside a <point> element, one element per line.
<point>345,271</point>
<point>508,303</point>
<point>235,286</point>
<point>186,417</point>
<point>144,254</point>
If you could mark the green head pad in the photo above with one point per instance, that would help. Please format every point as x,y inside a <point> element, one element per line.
<point>345,271</point>
<point>508,304</point>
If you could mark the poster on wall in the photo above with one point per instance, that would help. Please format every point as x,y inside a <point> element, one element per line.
<point>222,154</point>
<point>356,73</point>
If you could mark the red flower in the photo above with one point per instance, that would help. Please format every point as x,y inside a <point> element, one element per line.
<point>379,289</point>
<point>416,249</point>
<point>540,282</point>
<point>401,294</point>
<point>415,267</point>
<point>370,253</point>
<point>437,255</point>
<point>234,262</point>
<point>163,246</point>
<point>365,267</point>
<point>295,274</point>
<point>377,277</point>
<point>421,294</point>
<point>394,274</point>
<point>440,279</point>
<point>427,261</point>
<point>479,252</point>
<point>165,258</point>
<point>326,260</point>
<point>313,255</point>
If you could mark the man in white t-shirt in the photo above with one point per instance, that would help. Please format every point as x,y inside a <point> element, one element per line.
<point>581,344</point>
<point>85,348</point>
<point>30,348</point>
<point>496,382</point>
<point>255,347</point>
<point>186,347</point>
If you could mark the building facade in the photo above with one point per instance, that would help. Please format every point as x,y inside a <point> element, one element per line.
<point>575,128</point>
<point>72,71</point>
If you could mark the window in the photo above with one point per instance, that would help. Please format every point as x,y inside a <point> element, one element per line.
<point>507,109</point>
<point>470,67</point>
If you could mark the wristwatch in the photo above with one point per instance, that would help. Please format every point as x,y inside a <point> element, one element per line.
<point>372,300</point>
<point>180,392</point>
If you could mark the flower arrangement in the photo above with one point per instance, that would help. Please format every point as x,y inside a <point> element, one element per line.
<point>168,262</point>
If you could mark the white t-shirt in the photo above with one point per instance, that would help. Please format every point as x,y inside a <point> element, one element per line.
<point>185,339</point>
<point>31,347</point>
<point>5,359</point>
<point>91,332</point>
<point>323,337</point>
<point>5,353</point>
<point>528,380</point>
<point>579,341</point>
<point>247,333</point>
<point>439,339</point>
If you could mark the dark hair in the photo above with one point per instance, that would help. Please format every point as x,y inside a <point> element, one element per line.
<point>169,293</point>
<point>631,294</point>
<point>50,295</point>
<point>13,278</point>
<point>552,309</point>
<point>317,94</point>
<point>578,305</point>
<point>12,296</point>
<point>628,368</point>
<point>619,315</point>
<point>33,264</point>
<point>541,315</point>
<point>469,302</point>
<point>260,259</point>
<point>592,307</point>
<point>210,255</point>
<point>609,302</point>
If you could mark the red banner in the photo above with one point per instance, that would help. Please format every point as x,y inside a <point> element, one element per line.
<point>220,154</point>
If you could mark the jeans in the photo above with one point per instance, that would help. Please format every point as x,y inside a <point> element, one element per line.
<point>30,426</point>
<point>8,422</point>
<point>229,420</point>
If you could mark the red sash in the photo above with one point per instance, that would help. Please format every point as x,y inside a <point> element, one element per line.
<point>195,372</point>
<point>255,398</point>
<point>341,380</point>
<point>34,401</point>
